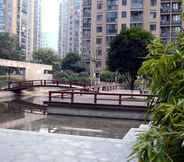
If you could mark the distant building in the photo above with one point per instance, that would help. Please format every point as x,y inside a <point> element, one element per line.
<point>102,20</point>
<point>171,19</point>
<point>37,24</point>
<point>44,40</point>
<point>8,16</point>
<point>25,26</point>
<point>69,27</point>
<point>20,17</point>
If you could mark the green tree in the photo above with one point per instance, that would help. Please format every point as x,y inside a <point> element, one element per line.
<point>164,68</point>
<point>127,52</point>
<point>72,61</point>
<point>9,47</point>
<point>47,56</point>
<point>107,76</point>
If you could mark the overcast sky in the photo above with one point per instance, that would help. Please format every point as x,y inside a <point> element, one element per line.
<point>50,22</point>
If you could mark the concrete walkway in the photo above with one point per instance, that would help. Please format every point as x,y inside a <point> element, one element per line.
<point>21,146</point>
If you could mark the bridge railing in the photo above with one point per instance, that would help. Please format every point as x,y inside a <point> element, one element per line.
<point>97,96</point>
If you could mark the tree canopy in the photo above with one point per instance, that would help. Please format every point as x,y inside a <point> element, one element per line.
<point>9,47</point>
<point>47,56</point>
<point>164,68</point>
<point>72,61</point>
<point>127,52</point>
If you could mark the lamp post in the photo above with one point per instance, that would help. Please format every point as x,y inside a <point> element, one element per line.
<point>93,70</point>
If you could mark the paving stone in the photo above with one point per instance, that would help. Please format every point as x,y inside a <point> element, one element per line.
<point>22,146</point>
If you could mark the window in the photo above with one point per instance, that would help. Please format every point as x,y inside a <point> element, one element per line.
<point>98,64</point>
<point>177,19</point>
<point>124,2</point>
<point>99,51</point>
<point>111,28</point>
<point>99,17</point>
<point>99,29</point>
<point>153,27</point>
<point>153,2</point>
<point>109,39</point>
<point>124,14</point>
<point>99,5</point>
<point>153,15</point>
<point>123,26</point>
<point>112,16</point>
<point>98,40</point>
<point>176,6</point>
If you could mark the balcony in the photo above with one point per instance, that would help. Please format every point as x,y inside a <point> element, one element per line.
<point>165,34</point>
<point>176,22</point>
<point>175,34</point>
<point>165,22</point>
<point>137,5</point>
<point>86,2</point>
<point>112,5</point>
<point>136,19</point>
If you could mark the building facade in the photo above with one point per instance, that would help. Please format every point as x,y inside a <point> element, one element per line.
<point>69,27</point>
<point>102,20</point>
<point>37,24</point>
<point>8,16</point>
<point>18,17</point>
<point>171,19</point>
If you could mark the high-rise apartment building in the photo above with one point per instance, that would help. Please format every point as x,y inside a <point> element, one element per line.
<point>25,26</point>
<point>37,24</point>
<point>69,27</point>
<point>171,19</point>
<point>19,17</point>
<point>8,16</point>
<point>102,20</point>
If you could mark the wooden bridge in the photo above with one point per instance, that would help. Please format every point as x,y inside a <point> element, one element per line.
<point>99,104</point>
<point>19,86</point>
<point>23,85</point>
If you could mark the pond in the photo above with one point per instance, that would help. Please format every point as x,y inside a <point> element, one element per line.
<point>13,117</point>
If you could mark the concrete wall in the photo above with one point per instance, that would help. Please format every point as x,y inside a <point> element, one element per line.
<point>32,71</point>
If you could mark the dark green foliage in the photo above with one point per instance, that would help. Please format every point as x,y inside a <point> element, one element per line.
<point>164,142</point>
<point>72,62</point>
<point>47,56</point>
<point>107,76</point>
<point>71,77</point>
<point>9,47</point>
<point>127,52</point>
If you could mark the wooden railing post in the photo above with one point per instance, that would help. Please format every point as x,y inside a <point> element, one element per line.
<point>44,82</point>
<point>62,95</point>
<point>72,97</point>
<point>41,82</point>
<point>95,98</point>
<point>50,96</point>
<point>120,96</point>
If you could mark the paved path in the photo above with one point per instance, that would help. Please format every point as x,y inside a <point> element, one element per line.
<point>21,146</point>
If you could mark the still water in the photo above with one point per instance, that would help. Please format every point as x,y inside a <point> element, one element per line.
<point>13,117</point>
